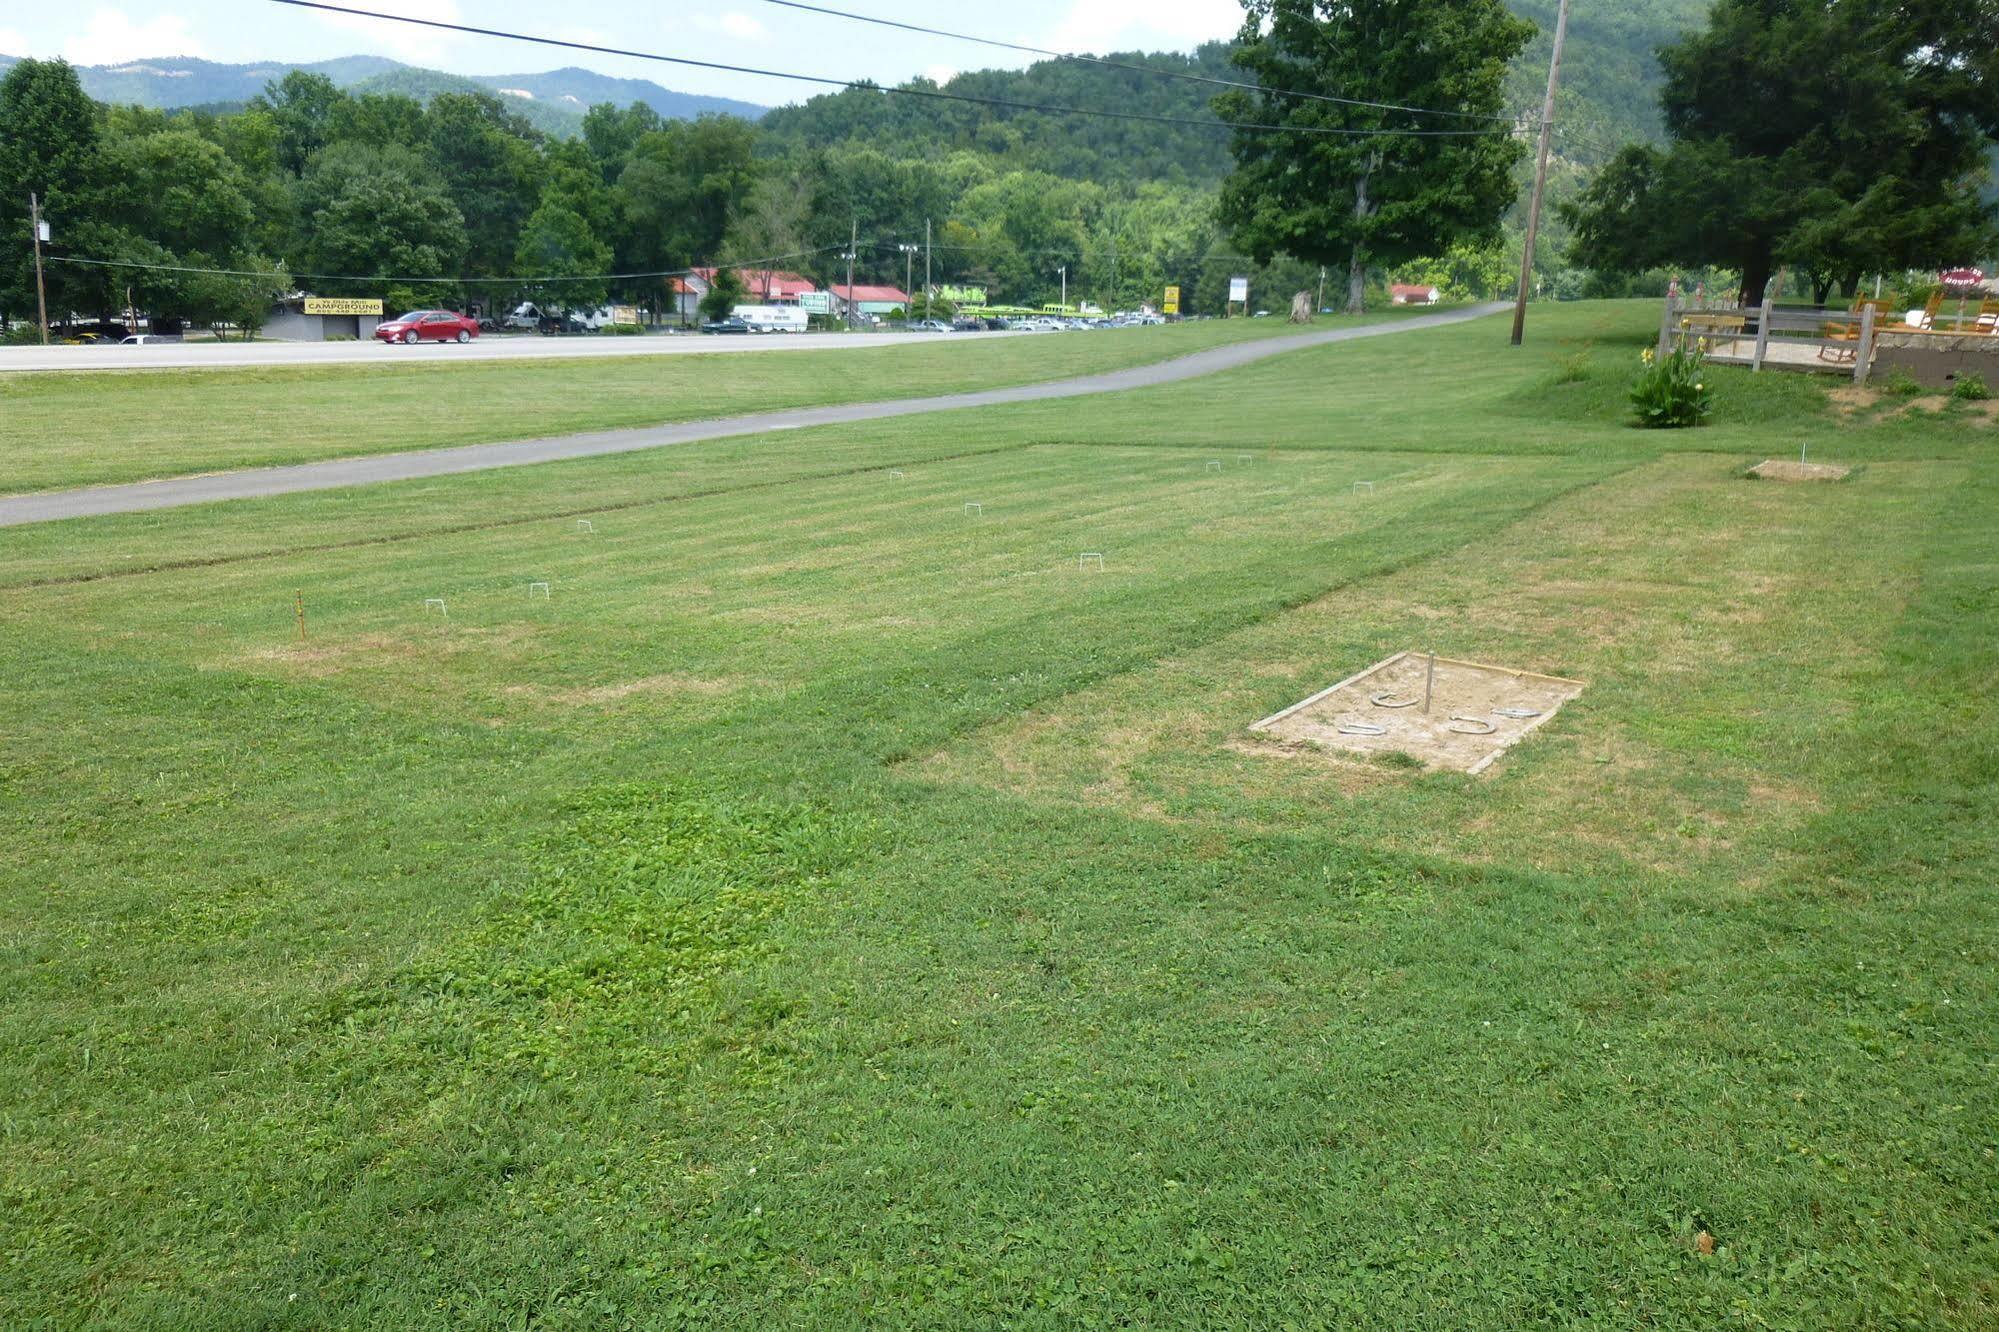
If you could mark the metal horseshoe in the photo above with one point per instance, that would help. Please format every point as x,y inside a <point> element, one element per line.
<point>1470,726</point>
<point>1384,699</point>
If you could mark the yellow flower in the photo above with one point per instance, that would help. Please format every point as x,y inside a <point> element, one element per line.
<point>1698,387</point>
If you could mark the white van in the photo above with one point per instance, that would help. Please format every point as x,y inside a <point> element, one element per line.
<point>773,318</point>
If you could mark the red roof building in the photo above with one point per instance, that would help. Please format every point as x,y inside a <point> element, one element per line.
<point>864,299</point>
<point>765,286</point>
<point>1404,293</point>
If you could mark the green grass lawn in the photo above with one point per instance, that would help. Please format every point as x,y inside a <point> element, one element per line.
<point>60,430</point>
<point>831,907</point>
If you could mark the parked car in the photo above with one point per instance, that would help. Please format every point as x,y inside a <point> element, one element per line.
<point>930,326</point>
<point>729,325</point>
<point>966,324</point>
<point>144,340</point>
<point>555,325</point>
<point>428,326</point>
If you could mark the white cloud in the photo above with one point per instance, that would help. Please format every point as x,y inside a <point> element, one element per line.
<point>941,74</point>
<point>1097,26</point>
<point>112,38</point>
<point>13,42</point>
<point>402,41</point>
<point>733,23</point>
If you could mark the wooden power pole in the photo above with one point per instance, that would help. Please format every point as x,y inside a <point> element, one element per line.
<point>853,244</point>
<point>1540,175</point>
<point>41,292</point>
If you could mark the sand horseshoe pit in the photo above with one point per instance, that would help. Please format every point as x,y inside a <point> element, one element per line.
<point>1476,712</point>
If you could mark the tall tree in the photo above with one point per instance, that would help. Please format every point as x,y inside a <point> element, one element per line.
<point>51,146</point>
<point>488,160</point>
<point>558,248</point>
<point>1842,135</point>
<point>1364,195</point>
<point>301,105</point>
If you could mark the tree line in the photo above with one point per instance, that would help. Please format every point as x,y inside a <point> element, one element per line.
<point>1838,137</point>
<point>206,215</point>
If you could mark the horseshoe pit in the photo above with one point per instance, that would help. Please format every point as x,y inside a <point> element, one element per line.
<point>1476,712</point>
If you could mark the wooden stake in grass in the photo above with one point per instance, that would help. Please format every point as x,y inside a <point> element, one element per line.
<point>298,602</point>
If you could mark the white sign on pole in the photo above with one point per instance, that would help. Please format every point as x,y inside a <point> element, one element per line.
<point>1239,289</point>
<point>45,232</point>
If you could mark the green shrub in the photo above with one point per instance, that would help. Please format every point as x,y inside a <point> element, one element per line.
<point>622,330</point>
<point>1970,388</point>
<point>1899,383</point>
<point>1672,392</point>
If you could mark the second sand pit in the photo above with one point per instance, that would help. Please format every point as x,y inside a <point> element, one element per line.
<point>1773,469</point>
<point>1476,712</point>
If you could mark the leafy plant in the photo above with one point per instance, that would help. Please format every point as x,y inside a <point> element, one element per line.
<point>1970,388</point>
<point>1899,383</point>
<point>1672,392</point>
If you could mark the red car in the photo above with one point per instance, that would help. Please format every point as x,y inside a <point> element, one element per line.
<point>428,326</point>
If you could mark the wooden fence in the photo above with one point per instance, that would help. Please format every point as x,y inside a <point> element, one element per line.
<point>1822,339</point>
<point>1789,337</point>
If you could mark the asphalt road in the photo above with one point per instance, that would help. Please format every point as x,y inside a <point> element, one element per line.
<point>234,355</point>
<point>256,483</point>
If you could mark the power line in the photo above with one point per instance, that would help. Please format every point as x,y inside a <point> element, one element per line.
<point>931,94</point>
<point>1208,79</point>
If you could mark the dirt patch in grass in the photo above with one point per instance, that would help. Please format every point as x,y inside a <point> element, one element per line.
<point>598,695</point>
<point>1854,400</point>
<point>1474,712</point>
<point>1771,469</point>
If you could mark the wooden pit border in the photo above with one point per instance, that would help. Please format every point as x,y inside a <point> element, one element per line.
<point>1533,723</point>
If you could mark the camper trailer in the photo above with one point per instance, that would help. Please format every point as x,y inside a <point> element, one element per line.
<point>772,318</point>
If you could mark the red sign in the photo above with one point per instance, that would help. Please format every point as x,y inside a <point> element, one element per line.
<point>1963,277</point>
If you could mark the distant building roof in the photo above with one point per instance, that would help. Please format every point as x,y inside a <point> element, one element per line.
<point>769,283</point>
<point>1409,291</point>
<point>860,291</point>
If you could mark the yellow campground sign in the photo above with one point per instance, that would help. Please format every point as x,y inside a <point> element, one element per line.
<point>341,305</point>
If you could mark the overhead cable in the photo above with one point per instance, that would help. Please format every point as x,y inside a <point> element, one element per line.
<point>1107,63</point>
<point>861,85</point>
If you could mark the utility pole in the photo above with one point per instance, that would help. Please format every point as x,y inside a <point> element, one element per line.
<point>926,268</point>
<point>1065,289</point>
<point>1540,174</point>
<point>1114,300</point>
<point>853,244</point>
<point>41,292</point>
<point>908,263</point>
<point>1316,305</point>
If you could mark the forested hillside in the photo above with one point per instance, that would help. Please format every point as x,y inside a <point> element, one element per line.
<point>555,100</point>
<point>408,174</point>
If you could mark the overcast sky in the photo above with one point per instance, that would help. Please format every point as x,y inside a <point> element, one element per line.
<point>751,32</point>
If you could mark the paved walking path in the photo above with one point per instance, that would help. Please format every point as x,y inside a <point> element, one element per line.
<point>256,483</point>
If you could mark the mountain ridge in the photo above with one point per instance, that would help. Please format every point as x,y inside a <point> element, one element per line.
<point>558,96</point>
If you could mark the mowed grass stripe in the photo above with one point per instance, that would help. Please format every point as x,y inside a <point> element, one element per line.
<point>728,587</point>
<point>60,431</point>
